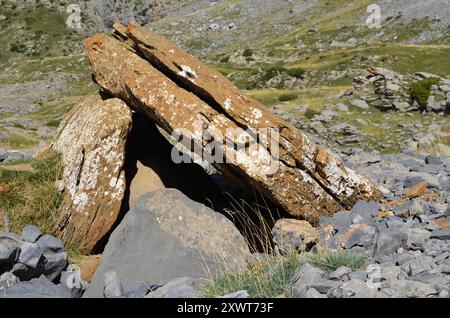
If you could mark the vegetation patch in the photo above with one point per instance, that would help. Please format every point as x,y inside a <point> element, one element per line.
<point>271,276</point>
<point>420,91</point>
<point>287,97</point>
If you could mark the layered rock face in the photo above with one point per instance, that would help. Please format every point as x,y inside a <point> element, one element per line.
<point>176,91</point>
<point>92,142</point>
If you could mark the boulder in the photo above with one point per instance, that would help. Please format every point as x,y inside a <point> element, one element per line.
<point>36,288</point>
<point>167,236</point>
<point>91,141</point>
<point>184,287</point>
<point>88,266</point>
<point>291,234</point>
<point>181,94</point>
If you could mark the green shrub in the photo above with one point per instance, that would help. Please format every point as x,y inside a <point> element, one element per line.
<point>272,72</point>
<point>310,113</point>
<point>331,261</point>
<point>287,97</point>
<point>420,91</point>
<point>53,123</point>
<point>247,53</point>
<point>296,72</point>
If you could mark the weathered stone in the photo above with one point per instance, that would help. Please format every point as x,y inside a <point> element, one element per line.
<point>304,277</point>
<point>362,235</point>
<point>417,190</point>
<point>151,93</point>
<point>411,289</point>
<point>354,289</point>
<point>30,233</point>
<point>50,243</point>
<point>92,146</point>
<point>54,264</point>
<point>441,234</point>
<point>389,241</point>
<point>174,237</point>
<point>291,234</point>
<point>340,272</point>
<point>112,286</point>
<point>7,280</point>
<point>30,254</point>
<point>443,223</point>
<point>88,266</point>
<point>340,220</point>
<point>178,288</point>
<point>366,209</point>
<point>9,245</point>
<point>36,288</point>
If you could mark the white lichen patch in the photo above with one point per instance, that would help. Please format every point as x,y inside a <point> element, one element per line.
<point>227,104</point>
<point>187,72</point>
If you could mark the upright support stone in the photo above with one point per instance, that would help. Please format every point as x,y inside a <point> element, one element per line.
<point>92,141</point>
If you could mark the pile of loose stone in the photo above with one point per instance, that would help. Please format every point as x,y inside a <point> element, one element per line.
<point>388,90</point>
<point>36,265</point>
<point>405,239</point>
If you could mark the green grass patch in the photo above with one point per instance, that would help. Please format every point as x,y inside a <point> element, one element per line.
<point>271,277</point>
<point>310,113</point>
<point>32,198</point>
<point>420,91</point>
<point>331,261</point>
<point>287,97</point>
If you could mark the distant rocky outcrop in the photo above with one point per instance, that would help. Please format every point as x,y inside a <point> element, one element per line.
<point>388,90</point>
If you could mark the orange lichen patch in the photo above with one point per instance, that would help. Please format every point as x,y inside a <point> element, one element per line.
<point>417,190</point>
<point>385,214</point>
<point>88,266</point>
<point>352,231</point>
<point>443,223</point>
<point>130,27</point>
<point>94,41</point>
<point>322,157</point>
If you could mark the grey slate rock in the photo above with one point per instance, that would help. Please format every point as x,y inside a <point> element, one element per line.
<point>358,275</point>
<point>36,288</point>
<point>50,244</point>
<point>340,272</point>
<point>113,287</point>
<point>8,279</point>
<point>389,241</point>
<point>174,237</point>
<point>366,209</point>
<point>354,289</point>
<point>340,220</point>
<point>440,234</point>
<point>312,293</point>
<point>54,264</point>
<point>30,233</point>
<point>183,287</point>
<point>433,160</point>
<point>365,237</point>
<point>304,277</point>
<point>30,254</point>
<point>324,285</point>
<point>9,247</point>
